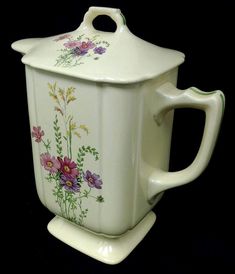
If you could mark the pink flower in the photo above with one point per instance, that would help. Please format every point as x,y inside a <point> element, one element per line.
<point>72,44</point>
<point>37,133</point>
<point>51,164</point>
<point>68,167</point>
<point>62,37</point>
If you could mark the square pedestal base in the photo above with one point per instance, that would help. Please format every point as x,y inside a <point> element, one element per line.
<point>100,247</point>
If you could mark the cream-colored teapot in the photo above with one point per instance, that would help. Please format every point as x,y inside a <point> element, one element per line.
<point>101,108</point>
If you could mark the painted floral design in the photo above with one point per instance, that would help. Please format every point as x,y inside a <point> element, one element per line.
<point>71,184</point>
<point>93,180</point>
<point>68,167</point>
<point>62,37</point>
<point>99,50</point>
<point>51,164</point>
<point>37,133</point>
<point>75,49</point>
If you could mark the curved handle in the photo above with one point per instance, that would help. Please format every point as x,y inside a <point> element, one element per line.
<point>93,12</point>
<point>213,104</point>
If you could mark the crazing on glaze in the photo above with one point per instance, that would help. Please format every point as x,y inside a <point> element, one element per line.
<point>75,50</point>
<point>71,181</point>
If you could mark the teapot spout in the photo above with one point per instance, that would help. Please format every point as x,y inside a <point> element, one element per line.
<point>24,45</point>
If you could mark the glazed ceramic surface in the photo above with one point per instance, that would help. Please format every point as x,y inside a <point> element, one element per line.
<point>101,109</point>
<point>110,140</point>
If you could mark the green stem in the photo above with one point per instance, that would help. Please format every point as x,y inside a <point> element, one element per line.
<point>65,125</point>
<point>70,139</point>
<point>81,215</point>
<point>74,214</point>
<point>65,204</point>
<point>58,139</point>
<point>92,196</point>
<point>67,148</point>
<point>58,199</point>
<point>69,209</point>
<point>46,146</point>
<point>86,194</point>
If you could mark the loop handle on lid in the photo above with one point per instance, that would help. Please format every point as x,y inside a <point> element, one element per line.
<point>93,12</point>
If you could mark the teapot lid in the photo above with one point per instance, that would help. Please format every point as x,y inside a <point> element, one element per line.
<point>117,57</point>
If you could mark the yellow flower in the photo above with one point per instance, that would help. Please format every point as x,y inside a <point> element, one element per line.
<point>59,110</point>
<point>61,93</point>
<point>77,134</point>
<point>70,91</point>
<point>73,126</point>
<point>71,98</point>
<point>85,128</point>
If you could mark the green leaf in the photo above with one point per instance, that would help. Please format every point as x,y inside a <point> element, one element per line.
<point>100,199</point>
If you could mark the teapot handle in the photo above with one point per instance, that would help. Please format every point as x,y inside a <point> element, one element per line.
<point>93,12</point>
<point>212,103</point>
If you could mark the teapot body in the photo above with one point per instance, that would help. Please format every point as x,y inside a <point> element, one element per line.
<point>94,147</point>
<point>101,108</point>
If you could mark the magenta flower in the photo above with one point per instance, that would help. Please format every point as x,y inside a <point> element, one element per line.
<point>62,37</point>
<point>83,48</point>
<point>37,133</point>
<point>93,180</point>
<point>99,50</point>
<point>72,44</point>
<point>69,183</point>
<point>68,167</point>
<point>51,164</point>
<point>86,45</point>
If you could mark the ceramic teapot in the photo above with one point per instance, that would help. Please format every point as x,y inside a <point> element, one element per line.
<point>101,108</point>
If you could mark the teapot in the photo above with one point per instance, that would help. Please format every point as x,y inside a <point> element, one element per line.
<point>101,107</point>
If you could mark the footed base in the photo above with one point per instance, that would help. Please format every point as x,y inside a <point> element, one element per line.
<point>103,248</point>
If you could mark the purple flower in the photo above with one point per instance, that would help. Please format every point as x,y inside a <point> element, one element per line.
<point>99,50</point>
<point>69,183</point>
<point>93,180</point>
<point>78,52</point>
<point>37,133</point>
<point>50,164</point>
